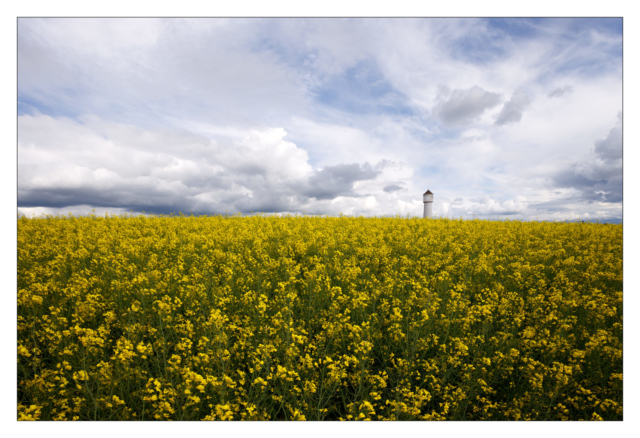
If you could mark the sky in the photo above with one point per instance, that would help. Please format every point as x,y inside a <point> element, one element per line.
<point>500,118</point>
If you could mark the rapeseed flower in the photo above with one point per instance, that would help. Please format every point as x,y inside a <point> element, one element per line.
<point>294,318</point>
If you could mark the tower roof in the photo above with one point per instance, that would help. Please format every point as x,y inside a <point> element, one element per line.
<point>428,192</point>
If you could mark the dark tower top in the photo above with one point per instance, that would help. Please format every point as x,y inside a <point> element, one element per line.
<point>428,192</point>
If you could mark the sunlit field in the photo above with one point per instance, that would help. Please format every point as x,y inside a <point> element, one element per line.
<point>316,318</point>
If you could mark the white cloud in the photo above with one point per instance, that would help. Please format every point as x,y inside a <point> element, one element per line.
<point>148,71</point>
<point>488,206</point>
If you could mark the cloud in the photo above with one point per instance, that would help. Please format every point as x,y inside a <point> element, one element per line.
<point>512,110</point>
<point>334,181</point>
<point>488,206</point>
<point>63,163</point>
<point>611,147</point>
<point>598,178</point>
<point>571,178</point>
<point>561,91</point>
<point>392,188</point>
<point>465,106</point>
<point>570,207</point>
<point>150,71</point>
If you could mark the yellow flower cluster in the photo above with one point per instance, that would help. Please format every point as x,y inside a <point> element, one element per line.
<point>316,318</point>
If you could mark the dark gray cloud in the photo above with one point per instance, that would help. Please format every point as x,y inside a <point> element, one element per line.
<point>334,181</point>
<point>571,178</point>
<point>592,188</point>
<point>598,179</point>
<point>392,188</point>
<point>611,147</point>
<point>462,107</point>
<point>569,205</point>
<point>561,91</point>
<point>512,110</point>
<point>147,198</point>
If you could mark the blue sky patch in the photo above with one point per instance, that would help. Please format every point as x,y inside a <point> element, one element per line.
<point>363,89</point>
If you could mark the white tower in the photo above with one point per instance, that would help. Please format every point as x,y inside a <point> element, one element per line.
<point>427,199</point>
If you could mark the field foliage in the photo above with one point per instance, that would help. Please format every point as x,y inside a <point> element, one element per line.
<point>291,318</point>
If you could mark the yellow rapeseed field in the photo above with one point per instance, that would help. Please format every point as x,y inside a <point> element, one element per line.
<point>317,318</point>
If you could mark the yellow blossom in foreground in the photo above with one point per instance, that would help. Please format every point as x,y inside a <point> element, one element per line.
<point>315,318</point>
